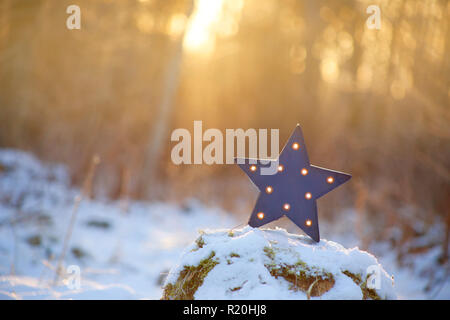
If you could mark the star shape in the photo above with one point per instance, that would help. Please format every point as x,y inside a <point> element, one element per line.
<point>293,190</point>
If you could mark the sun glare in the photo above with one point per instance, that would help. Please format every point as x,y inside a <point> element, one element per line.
<point>200,34</point>
<point>329,69</point>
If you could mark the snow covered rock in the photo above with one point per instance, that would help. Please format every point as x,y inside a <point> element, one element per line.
<point>251,263</point>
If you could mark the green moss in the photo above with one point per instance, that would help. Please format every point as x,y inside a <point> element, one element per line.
<point>355,277</point>
<point>300,263</point>
<point>200,242</point>
<point>313,281</point>
<point>189,280</point>
<point>367,292</point>
<point>270,253</point>
<point>302,278</point>
<point>231,234</point>
<point>232,255</point>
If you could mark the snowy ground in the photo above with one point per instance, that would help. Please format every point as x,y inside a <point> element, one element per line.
<point>417,271</point>
<point>125,255</point>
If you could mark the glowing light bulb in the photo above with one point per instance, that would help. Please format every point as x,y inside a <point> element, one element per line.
<point>308,223</point>
<point>253,168</point>
<point>280,168</point>
<point>308,195</point>
<point>304,171</point>
<point>330,180</point>
<point>295,146</point>
<point>260,215</point>
<point>269,189</point>
<point>286,206</point>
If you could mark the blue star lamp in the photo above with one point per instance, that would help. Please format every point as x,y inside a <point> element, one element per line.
<point>294,188</point>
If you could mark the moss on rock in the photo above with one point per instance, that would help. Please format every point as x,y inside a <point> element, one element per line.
<point>313,281</point>
<point>190,278</point>
<point>367,292</point>
<point>281,259</point>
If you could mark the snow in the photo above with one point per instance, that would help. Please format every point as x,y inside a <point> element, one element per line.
<point>126,254</point>
<point>241,263</point>
<point>412,276</point>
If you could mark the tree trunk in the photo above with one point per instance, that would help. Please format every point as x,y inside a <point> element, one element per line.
<point>149,181</point>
